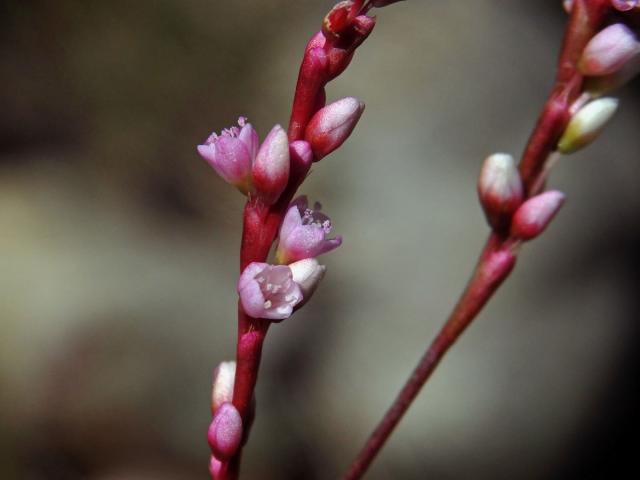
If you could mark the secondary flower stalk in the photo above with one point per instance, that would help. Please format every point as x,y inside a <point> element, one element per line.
<point>561,128</point>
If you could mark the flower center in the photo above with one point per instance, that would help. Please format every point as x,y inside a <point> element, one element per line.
<point>277,286</point>
<point>315,217</point>
<point>231,132</point>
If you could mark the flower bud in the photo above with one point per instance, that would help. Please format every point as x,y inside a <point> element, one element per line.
<point>625,5</point>
<point>307,274</point>
<point>500,189</point>
<point>332,125</point>
<point>534,215</point>
<point>215,468</point>
<point>301,159</point>
<point>271,167</point>
<point>587,124</point>
<point>223,381</point>
<point>225,432</point>
<point>567,5</point>
<point>609,51</point>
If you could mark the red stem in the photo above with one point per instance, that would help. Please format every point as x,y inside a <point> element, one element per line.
<point>261,222</point>
<point>587,16</point>
<point>493,268</point>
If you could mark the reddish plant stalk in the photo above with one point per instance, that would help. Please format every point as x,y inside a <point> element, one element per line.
<point>323,60</point>
<point>498,256</point>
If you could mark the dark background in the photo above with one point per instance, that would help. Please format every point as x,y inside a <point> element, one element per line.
<point>118,248</point>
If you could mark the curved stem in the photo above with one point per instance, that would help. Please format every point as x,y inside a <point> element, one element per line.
<point>497,258</point>
<point>495,264</point>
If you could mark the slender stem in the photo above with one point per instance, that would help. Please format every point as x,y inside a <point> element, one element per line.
<point>497,259</point>
<point>496,262</point>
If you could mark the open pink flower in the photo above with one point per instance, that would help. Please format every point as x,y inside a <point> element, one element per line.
<point>303,233</point>
<point>231,154</point>
<point>268,291</point>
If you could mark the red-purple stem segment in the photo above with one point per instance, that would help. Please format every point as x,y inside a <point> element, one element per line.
<point>499,255</point>
<point>326,56</point>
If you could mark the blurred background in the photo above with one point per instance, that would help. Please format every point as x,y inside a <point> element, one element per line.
<point>118,248</point>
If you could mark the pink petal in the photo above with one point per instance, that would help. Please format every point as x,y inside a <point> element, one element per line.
<point>249,137</point>
<point>329,245</point>
<point>292,220</point>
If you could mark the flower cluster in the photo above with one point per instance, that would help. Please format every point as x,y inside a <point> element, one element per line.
<point>274,291</point>
<point>609,60</point>
<point>235,156</point>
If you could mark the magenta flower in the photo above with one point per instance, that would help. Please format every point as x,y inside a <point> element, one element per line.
<point>231,154</point>
<point>303,233</point>
<point>268,291</point>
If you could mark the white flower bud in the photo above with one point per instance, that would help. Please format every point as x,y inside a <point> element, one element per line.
<point>587,124</point>
<point>500,189</point>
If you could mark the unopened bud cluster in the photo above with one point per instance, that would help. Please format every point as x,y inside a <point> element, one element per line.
<point>502,194</point>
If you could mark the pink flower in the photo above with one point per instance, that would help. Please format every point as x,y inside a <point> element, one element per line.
<point>268,291</point>
<point>235,156</point>
<point>303,233</point>
<point>231,154</point>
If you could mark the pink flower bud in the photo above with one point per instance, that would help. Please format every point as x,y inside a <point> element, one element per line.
<point>609,51</point>
<point>303,233</point>
<point>307,274</point>
<point>215,468</point>
<point>271,167</point>
<point>332,125</point>
<point>301,159</point>
<point>500,189</point>
<point>231,154</point>
<point>225,432</point>
<point>268,291</point>
<point>534,215</point>
<point>625,5</point>
<point>223,381</point>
